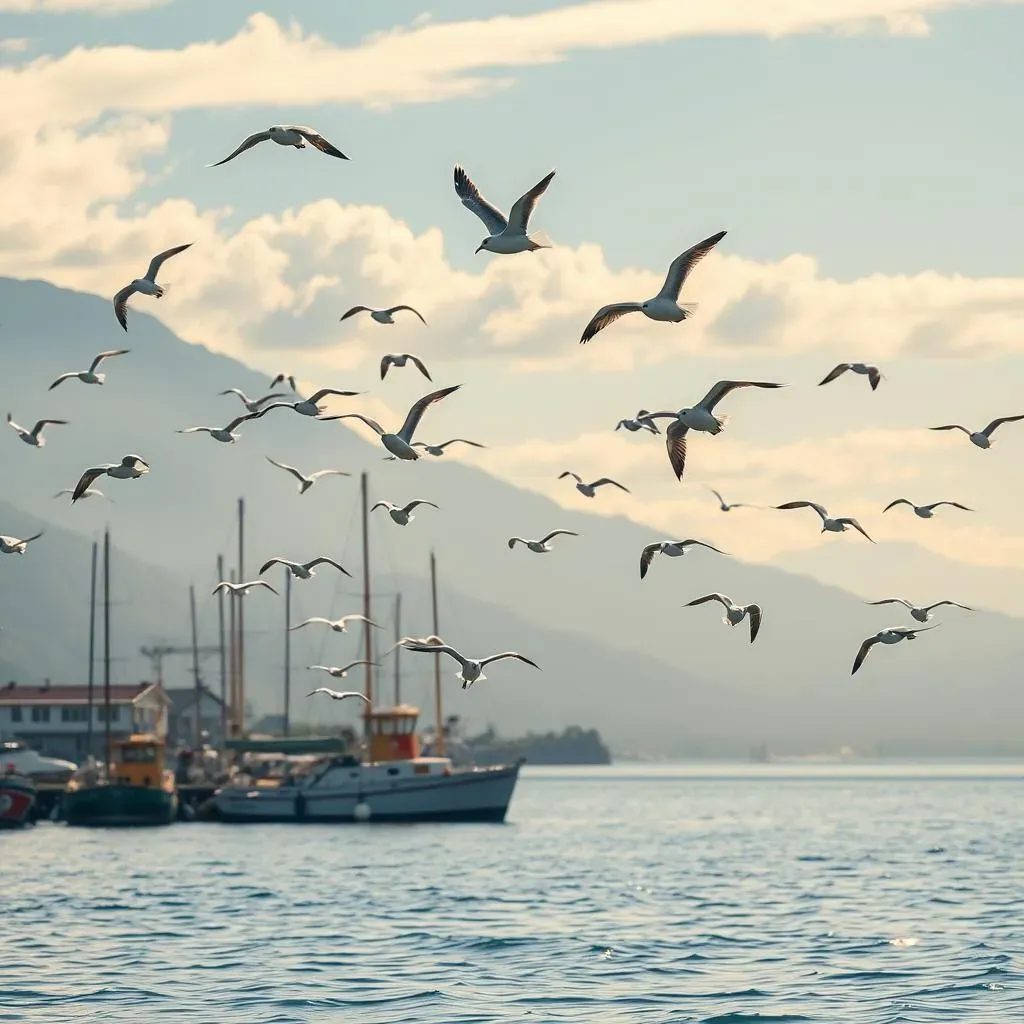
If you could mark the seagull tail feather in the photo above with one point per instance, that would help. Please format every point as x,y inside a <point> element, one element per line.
<point>539,240</point>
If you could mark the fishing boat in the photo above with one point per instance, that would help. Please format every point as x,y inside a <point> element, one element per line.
<point>390,780</point>
<point>17,798</point>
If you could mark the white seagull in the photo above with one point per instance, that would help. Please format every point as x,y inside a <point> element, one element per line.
<point>472,668</point>
<point>226,435</point>
<point>34,436</point>
<point>400,359</point>
<point>89,492</point>
<point>400,444</point>
<point>241,589</point>
<point>253,404</point>
<point>144,285</point>
<point>734,613</point>
<point>131,467</point>
<point>638,422</point>
<point>507,235</point>
<point>339,673</point>
<point>90,376</point>
<point>672,548</point>
<point>724,505</point>
<point>589,490</point>
<point>432,640</point>
<point>382,316</point>
<point>303,570</point>
<point>438,449</point>
<point>305,482</point>
<point>542,545</point>
<point>338,694</point>
<point>920,612</point>
<point>837,525</point>
<point>310,406</point>
<point>337,625</point>
<point>665,305</point>
<point>982,438</point>
<point>925,511</point>
<point>15,545</point>
<point>892,635</point>
<point>295,135</point>
<point>402,514</point>
<point>701,417</point>
<point>871,372</point>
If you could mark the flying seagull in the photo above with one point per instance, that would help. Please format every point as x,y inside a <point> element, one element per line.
<point>672,548</point>
<point>734,613</point>
<point>295,135</point>
<point>305,482</point>
<point>432,640</point>
<point>982,438</point>
<point>131,467</point>
<point>920,612</point>
<point>402,515</point>
<point>90,376</point>
<point>226,435</point>
<point>838,525</point>
<point>382,316</point>
<point>724,505</point>
<point>252,404</point>
<point>542,545</point>
<point>338,694</point>
<point>472,669</point>
<point>665,305</point>
<point>589,490</point>
<point>310,406</point>
<point>400,444</point>
<point>144,285</point>
<point>241,589</point>
<point>925,511</point>
<point>15,545</point>
<point>872,373</point>
<point>339,673</point>
<point>400,359</point>
<point>892,635</point>
<point>638,422</point>
<point>701,417</point>
<point>34,436</point>
<point>438,449</point>
<point>337,625</point>
<point>281,378</point>
<point>303,570</point>
<point>506,236</point>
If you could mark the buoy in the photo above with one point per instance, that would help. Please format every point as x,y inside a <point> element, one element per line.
<point>361,811</point>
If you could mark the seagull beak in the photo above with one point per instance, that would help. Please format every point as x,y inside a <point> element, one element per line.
<point>478,248</point>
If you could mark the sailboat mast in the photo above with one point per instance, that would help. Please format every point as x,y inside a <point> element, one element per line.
<point>240,656</point>
<point>106,649</point>
<point>223,652</point>
<point>437,659</point>
<point>398,648</point>
<point>233,657</point>
<point>367,642</point>
<point>92,649</point>
<point>287,652</point>
<point>195,667</point>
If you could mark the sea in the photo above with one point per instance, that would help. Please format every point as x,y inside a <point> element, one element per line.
<point>851,893</point>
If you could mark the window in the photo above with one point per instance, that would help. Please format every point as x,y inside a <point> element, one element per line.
<point>74,714</point>
<point>15,714</point>
<point>138,755</point>
<point>40,714</point>
<point>115,714</point>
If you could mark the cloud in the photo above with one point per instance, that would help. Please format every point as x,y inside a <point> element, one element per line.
<point>79,6</point>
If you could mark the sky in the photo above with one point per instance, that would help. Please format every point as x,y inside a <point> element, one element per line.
<point>863,155</point>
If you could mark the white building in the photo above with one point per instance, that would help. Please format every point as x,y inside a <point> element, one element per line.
<point>181,725</point>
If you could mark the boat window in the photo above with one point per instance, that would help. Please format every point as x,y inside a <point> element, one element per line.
<point>138,755</point>
<point>387,726</point>
<point>392,771</point>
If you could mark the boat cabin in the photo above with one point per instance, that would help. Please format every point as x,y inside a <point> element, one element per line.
<point>392,733</point>
<point>138,761</point>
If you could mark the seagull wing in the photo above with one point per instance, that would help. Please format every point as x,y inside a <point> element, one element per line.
<point>352,664</point>
<point>121,304</point>
<point>314,138</point>
<point>837,372</point>
<point>820,509</point>
<point>328,472</point>
<point>700,544</point>
<point>395,309</point>
<point>276,561</point>
<point>107,355</point>
<point>251,141</point>
<point>609,480</point>
<point>508,654</point>
<point>88,478</point>
<point>680,267</point>
<point>309,622</point>
<point>418,363</point>
<point>266,398</point>
<point>372,424</point>
<point>953,504</point>
<point>850,521</point>
<point>35,536</point>
<point>412,420</point>
<point>955,604</point>
<point>512,542</point>
<point>723,387</point>
<point>720,598</point>
<point>385,365</point>
<point>893,600</point>
<point>607,315</point>
<point>675,443</point>
<point>874,377</point>
<point>419,501</point>
<point>437,649</point>
<point>158,261</point>
<point>519,215</point>
<point>354,310</point>
<point>462,440</point>
<point>954,426</point>
<point>569,472</point>
<point>494,220</point>
<point>898,501</point>
<point>324,392</point>
<point>257,583</point>
<point>324,560</point>
<point>63,377</point>
<point>558,533</point>
<point>647,556</point>
<point>42,423</point>
<point>238,391</point>
<point>754,611</point>
<point>1002,419</point>
<point>241,419</point>
<point>863,653</point>
<point>358,618</point>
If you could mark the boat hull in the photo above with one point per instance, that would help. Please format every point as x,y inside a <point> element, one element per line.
<point>17,797</point>
<point>119,805</point>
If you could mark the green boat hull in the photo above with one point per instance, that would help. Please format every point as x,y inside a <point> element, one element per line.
<point>119,805</point>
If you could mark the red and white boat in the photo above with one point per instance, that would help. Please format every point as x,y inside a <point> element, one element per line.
<point>17,797</point>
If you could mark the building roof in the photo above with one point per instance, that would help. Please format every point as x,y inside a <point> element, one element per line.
<point>182,697</point>
<point>17,694</point>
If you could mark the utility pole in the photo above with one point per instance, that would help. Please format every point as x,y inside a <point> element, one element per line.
<point>240,660</point>
<point>223,653</point>
<point>287,651</point>
<point>195,668</point>
<point>233,657</point>
<point>106,651</point>
<point>92,648</point>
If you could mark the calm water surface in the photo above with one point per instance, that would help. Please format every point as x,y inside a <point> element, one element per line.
<point>754,894</point>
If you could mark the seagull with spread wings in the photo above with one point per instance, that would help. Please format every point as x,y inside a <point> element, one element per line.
<point>34,436</point>
<point>337,625</point>
<point>734,613</point>
<point>226,435</point>
<point>145,285</point>
<point>305,482</point>
<point>382,316</point>
<point>90,376</point>
<point>310,406</point>
<point>253,404</point>
<point>833,525</point>
<point>295,135</point>
<point>241,589</point>
<point>590,490</point>
<point>672,548</point>
<point>438,449</point>
<point>638,422</point>
<point>472,668</point>
<point>506,235</point>
<point>338,694</point>
<point>981,438</point>
<point>131,467</point>
<point>892,635</point>
<point>339,672</point>
<point>724,505</point>
<point>871,372</point>
<point>400,359</point>
<point>543,545</point>
<point>303,570</point>
<point>922,613</point>
<point>925,511</point>
<point>402,515</point>
<point>17,545</point>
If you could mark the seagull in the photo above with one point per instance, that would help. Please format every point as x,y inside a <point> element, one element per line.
<point>982,438</point>
<point>337,625</point>
<point>589,490</point>
<point>339,673</point>
<point>438,449</point>
<point>892,635</point>
<point>338,694</point>
<point>724,505</point>
<point>241,589</point>
<point>145,285</point>
<point>131,467</point>
<point>400,444</point>
<point>700,417</point>
<point>839,525</point>
<point>309,406</point>
<point>400,359</point>
<point>295,135</point>
<point>542,545</point>
<point>382,316</point>
<point>305,482</point>
<point>252,404</point>
<point>90,376</point>
<point>89,492</point>
<point>303,570</point>
<point>665,305</point>
<point>638,422</point>
<point>920,612</point>
<point>34,436</point>
<point>401,515</point>
<point>872,373</point>
<point>925,511</point>
<point>672,548</point>
<point>734,613</point>
<point>227,434</point>
<point>432,640</point>
<point>281,378</point>
<point>506,236</point>
<point>472,669</point>
<point>16,546</point>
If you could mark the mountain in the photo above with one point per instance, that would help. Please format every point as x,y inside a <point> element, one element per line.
<point>617,653</point>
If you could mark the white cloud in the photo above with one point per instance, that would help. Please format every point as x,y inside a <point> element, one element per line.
<point>79,6</point>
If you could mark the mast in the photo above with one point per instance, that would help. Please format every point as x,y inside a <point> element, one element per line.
<point>367,641</point>
<point>195,667</point>
<point>398,648</point>
<point>233,658</point>
<point>106,649</point>
<point>240,614</point>
<point>437,659</point>
<point>92,648</point>
<point>223,653</point>
<point>287,651</point>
